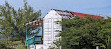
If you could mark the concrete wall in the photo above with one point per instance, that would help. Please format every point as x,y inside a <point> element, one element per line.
<point>50,28</point>
<point>38,46</point>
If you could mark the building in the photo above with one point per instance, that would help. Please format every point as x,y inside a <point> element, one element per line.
<point>50,26</point>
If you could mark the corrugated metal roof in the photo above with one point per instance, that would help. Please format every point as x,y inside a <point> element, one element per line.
<point>82,15</point>
<point>65,14</point>
<point>38,22</point>
<point>72,14</point>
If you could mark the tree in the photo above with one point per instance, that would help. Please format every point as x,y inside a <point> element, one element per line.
<point>85,33</point>
<point>13,20</point>
<point>3,45</point>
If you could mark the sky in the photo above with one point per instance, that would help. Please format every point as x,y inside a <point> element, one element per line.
<point>96,7</point>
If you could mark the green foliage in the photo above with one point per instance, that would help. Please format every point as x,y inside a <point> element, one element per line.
<point>18,44</point>
<point>86,33</point>
<point>3,45</point>
<point>56,45</point>
<point>13,20</point>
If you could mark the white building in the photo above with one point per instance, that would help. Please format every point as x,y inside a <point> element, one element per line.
<point>50,26</point>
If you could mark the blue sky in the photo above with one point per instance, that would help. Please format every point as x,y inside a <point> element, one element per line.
<point>96,7</point>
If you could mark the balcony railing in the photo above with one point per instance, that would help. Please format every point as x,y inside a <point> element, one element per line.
<point>35,40</point>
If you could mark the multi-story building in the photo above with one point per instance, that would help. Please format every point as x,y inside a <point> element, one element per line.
<point>50,26</point>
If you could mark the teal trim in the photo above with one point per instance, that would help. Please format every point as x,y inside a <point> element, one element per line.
<point>26,37</point>
<point>36,39</point>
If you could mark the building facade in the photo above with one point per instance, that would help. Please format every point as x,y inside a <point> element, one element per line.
<point>50,26</point>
